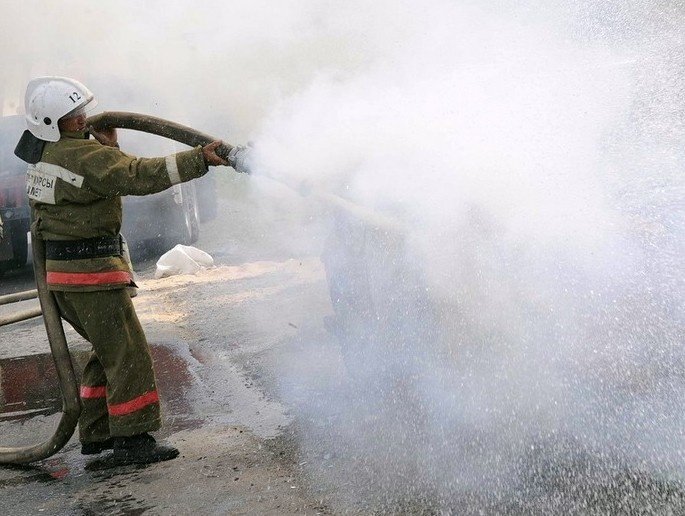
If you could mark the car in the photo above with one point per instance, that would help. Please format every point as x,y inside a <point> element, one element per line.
<point>159,221</point>
<point>14,209</point>
<point>155,223</point>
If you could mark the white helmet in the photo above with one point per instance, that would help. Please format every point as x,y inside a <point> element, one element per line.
<point>50,98</point>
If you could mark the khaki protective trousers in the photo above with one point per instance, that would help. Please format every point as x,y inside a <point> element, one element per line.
<point>118,392</point>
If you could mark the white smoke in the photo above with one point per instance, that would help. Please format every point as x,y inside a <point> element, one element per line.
<point>496,136</point>
<point>531,152</point>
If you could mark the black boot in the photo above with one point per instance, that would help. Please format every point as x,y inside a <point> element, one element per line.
<point>141,449</point>
<point>96,447</point>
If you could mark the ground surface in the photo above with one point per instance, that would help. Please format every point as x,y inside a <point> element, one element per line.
<point>273,416</point>
<point>212,364</point>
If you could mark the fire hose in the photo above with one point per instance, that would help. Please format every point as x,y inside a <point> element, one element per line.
<point>23,315</point>
<point>71,403</point>
<point>71,406</point>
<point>191,137</point>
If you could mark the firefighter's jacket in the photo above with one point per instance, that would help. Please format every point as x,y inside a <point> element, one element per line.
<point>75,193</point>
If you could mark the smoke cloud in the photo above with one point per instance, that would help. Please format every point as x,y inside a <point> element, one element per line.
<point>521,308</point>
<point>530,299</point>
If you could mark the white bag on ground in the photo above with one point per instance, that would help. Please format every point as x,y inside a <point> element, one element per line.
<point>182,259</point>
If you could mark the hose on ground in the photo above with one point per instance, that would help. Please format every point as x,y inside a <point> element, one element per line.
<point>71,403</point>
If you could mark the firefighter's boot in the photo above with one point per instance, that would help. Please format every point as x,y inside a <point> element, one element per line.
<point>93,448</point>
<point>141,449</point>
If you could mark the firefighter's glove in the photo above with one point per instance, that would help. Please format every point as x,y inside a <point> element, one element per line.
<point>240,158</point>
<point>210,156</point>
<point>106,136</point>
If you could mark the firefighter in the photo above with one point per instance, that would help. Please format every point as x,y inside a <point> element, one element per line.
<point>75,185</point>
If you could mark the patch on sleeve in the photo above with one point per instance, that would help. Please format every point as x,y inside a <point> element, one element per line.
<point>41,181</point>
<point>172,169</point>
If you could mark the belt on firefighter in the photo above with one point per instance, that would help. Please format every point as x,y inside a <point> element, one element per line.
<point>87,248</point>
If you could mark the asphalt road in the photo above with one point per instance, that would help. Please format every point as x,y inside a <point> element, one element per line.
<point>269,414</point>
<point>213,366</point>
